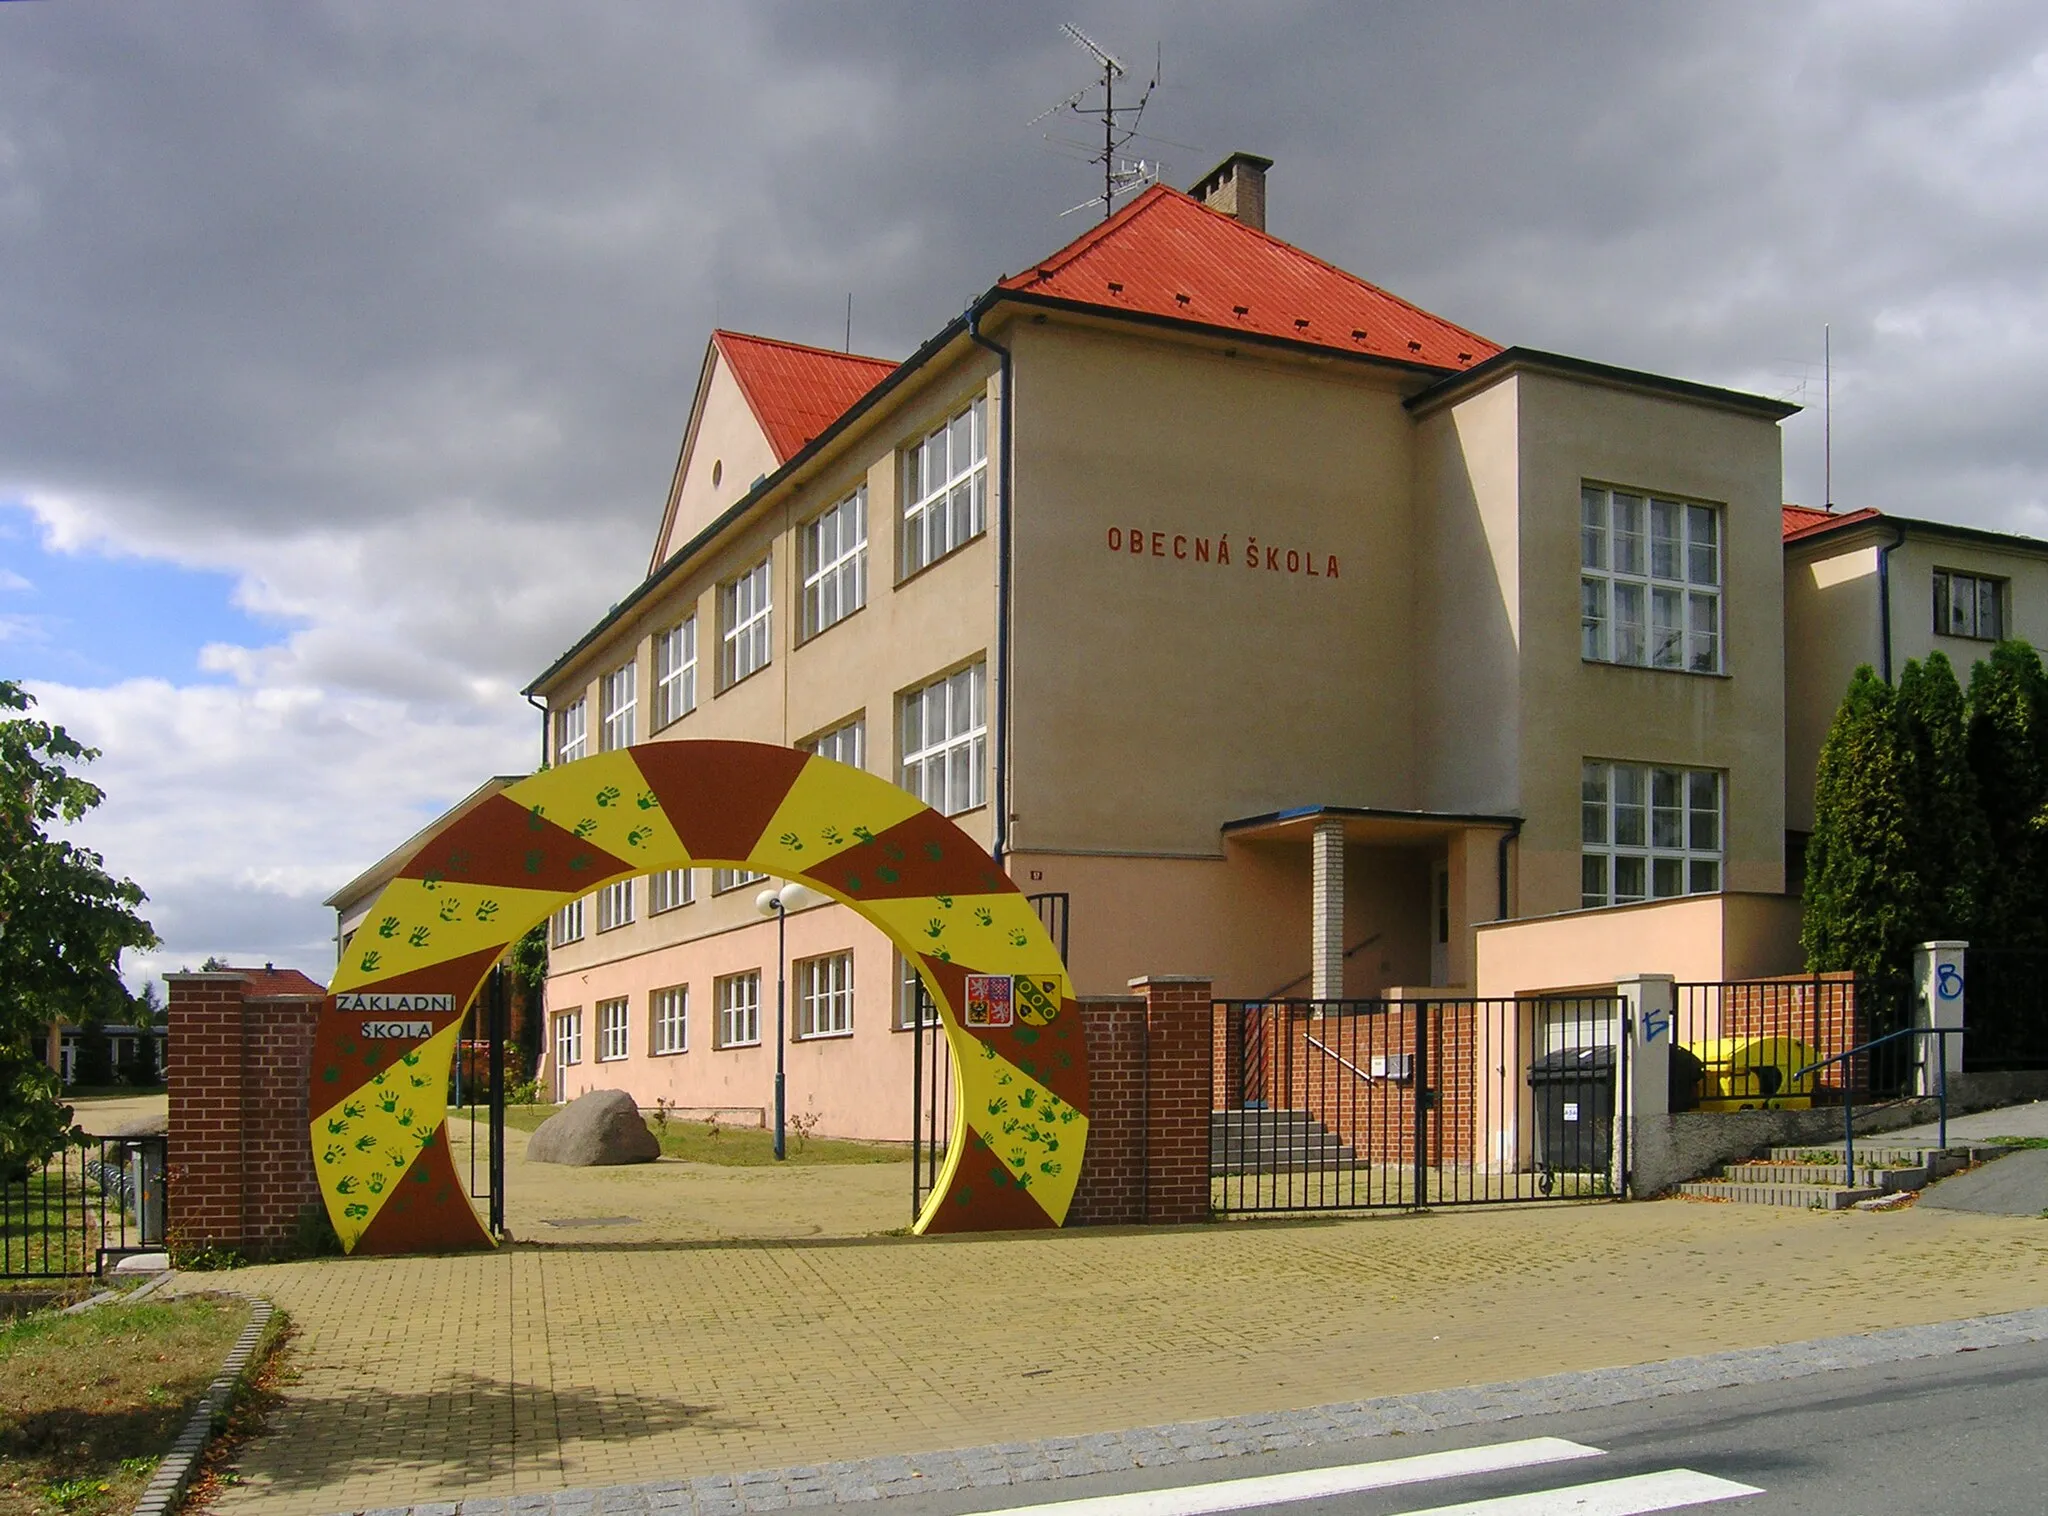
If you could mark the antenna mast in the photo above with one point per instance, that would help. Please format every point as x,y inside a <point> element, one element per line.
<point>1827,412</point>
<point>1119,175</point>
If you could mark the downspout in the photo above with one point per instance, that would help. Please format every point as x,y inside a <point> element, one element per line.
<point>1884,602</point>
<point>1005,493</point>
<point>542,707</point>
<point>1500,865</point>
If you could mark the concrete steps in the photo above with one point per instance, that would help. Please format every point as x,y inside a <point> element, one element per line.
<point>1260,1141</point>
<point>1811,1177</point>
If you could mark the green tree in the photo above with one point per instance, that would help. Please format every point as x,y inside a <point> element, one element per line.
<point>64,922</point>
<point>528,961</point>
<point>1863,891</point>
<point>2008,753</point>
<point>1946,834</point>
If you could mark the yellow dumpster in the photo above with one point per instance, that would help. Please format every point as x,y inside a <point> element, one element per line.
<point>1754,1073</point>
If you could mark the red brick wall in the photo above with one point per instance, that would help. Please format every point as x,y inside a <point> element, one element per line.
<point>1151,1073</point>
<point>241,1164</point>
<point>1817,1010</point>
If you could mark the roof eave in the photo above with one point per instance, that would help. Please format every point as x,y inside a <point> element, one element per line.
<point>1849,526</point>
<point>1533,360</point>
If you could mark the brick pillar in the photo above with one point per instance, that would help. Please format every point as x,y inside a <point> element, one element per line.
<point>1326,911</point>
<point>1180,1070</point>
<point>241,1166</point>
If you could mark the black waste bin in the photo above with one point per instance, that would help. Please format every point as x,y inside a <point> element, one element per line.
<point>1574,1090</point>
<point>1686,1074</point>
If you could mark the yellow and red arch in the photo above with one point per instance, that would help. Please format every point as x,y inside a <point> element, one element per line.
<point>381,1056</point>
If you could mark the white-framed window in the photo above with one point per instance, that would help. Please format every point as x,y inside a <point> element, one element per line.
<point>568,1038</point>
<point>668,1011</point>
<point>824,996</point>
<point>744,611</point>
<point>945,741</point>
<point>739,1009</point>
<point>945,489</point>
<point>1649,581</point>
<point>1648,832</point>
<point>732,879</point>
<point>669,890</point>
<point>675,672</point>
<point>834,556</point>
<point>612,1024</point>
<point>618,698</point>
<point>568,923</point>
<point>571,732</point>
<point>1969,605</point>
<point>914,1004</point>
<point>615,905</point>
<point>845,743</point>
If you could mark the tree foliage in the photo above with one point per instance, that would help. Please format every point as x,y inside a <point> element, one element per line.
<point>1862,890</point>
<point>64,922</point>
<point>1946,835</point>
<point>2008,732</point>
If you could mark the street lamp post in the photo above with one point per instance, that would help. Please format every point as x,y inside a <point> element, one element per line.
<point>777,903</point>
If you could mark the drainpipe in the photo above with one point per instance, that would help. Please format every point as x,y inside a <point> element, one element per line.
<point>1884,602</point>
<point>542,707</point>
<point>1006,480</point>
<point>1500,865</point>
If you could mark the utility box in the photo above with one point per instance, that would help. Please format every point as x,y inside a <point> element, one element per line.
<point>1574,1095</point>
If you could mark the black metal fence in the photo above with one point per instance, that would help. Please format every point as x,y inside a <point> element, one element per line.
<point>2005,1009</point>
<point>477,1089</point>
<point>1744,1044</point>
<point>1383,1104</point>
<point>91,1200</point>
<point>931,1098</point>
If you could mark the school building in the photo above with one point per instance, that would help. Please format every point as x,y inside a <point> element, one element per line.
<point>1276,629</point>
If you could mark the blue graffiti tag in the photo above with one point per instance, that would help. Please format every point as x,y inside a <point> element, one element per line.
<point>1948,981</point>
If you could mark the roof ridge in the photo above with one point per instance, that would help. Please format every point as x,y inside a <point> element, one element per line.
<point>1090,239</point>
<point>719,332</point>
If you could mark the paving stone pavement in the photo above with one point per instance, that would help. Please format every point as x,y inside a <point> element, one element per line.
<point>574,1380</point>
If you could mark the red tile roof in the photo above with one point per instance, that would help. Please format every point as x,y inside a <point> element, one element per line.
<point>1169,256</point>
<point>1806,521</point>
<point>796,391</point>
<point>268,984</point>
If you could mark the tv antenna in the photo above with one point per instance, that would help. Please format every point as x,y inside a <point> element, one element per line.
<point>1120,175</point>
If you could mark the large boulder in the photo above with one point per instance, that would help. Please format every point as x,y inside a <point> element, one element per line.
<point>603,1126</point>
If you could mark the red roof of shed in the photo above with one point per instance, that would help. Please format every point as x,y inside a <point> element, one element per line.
<point>796,391</point>
<point>1166,255</point>
<point>1805,520</point>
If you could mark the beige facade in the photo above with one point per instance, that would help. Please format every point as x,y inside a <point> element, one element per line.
<point>1861,590</point>
<point>1252,587</point>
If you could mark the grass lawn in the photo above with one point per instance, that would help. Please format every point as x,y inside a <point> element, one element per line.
<point>89,1403</point>
<point>742,1147</point>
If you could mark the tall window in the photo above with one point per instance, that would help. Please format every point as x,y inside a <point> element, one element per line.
<point>615,905</point>
<point>743,624</point>
<point>845,743</point>
<point>618,694</point>
<point>1969,605</point>
<point>571,723</point>
<point>675,672</point>
<point>668,890</point>
<point>611,1030</point>
<point>914,1005</point>
<point>945,488</point>
<point>669,1010</point>
<point>1648,833</point>
<point>568,1038</point>
<point>835,563</point>
<point>1649,581</point>
<point>945,741</point>
<point>731,879</point>
<point>569,923</point>
<point>739,1009</point>
<point>824,996</point>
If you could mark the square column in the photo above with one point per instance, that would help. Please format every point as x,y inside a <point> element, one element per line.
<point>1326,912</point>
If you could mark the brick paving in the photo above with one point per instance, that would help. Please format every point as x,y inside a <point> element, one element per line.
<point>567,1371</point>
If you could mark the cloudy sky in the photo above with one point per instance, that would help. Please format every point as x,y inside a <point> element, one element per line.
<point>345,347</point>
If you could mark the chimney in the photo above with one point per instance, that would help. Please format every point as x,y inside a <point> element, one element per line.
<point>1236,187</point>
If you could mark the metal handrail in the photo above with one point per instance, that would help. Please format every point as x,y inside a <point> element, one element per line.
<point>1943,1033</point>
<point>1329,1052</point>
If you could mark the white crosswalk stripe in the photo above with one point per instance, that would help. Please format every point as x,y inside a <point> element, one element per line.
<point>1670,1490</point>
<point>1635,1495</point>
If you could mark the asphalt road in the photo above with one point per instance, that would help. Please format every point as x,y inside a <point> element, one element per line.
<point>1958,1435</point>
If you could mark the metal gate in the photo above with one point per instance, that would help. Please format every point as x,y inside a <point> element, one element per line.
<point>93,1199</point>
<point>1330,1105</point>
<point>479,1079</point>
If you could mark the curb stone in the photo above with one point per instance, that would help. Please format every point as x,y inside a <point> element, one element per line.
<point>182,1461</point>
<point>1016,1463</point>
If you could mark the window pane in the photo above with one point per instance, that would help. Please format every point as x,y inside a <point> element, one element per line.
<point>1668,875</point>
<point>1703,545</point>
<point>1703,633</point>
<point>1987,609</point>
<point>1664,532</point>
<point>1593,618</point>
<point>1592,529</point>
<point>1628,534</point>
<point>1593,804</point>
<point>1592,880</point>
<point>1667,810</point>
<point>1667,635</point>
<point>1630,823</point>
<point>1706,876</point>
<point>1630,640</point>
<point>1629,883</point>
